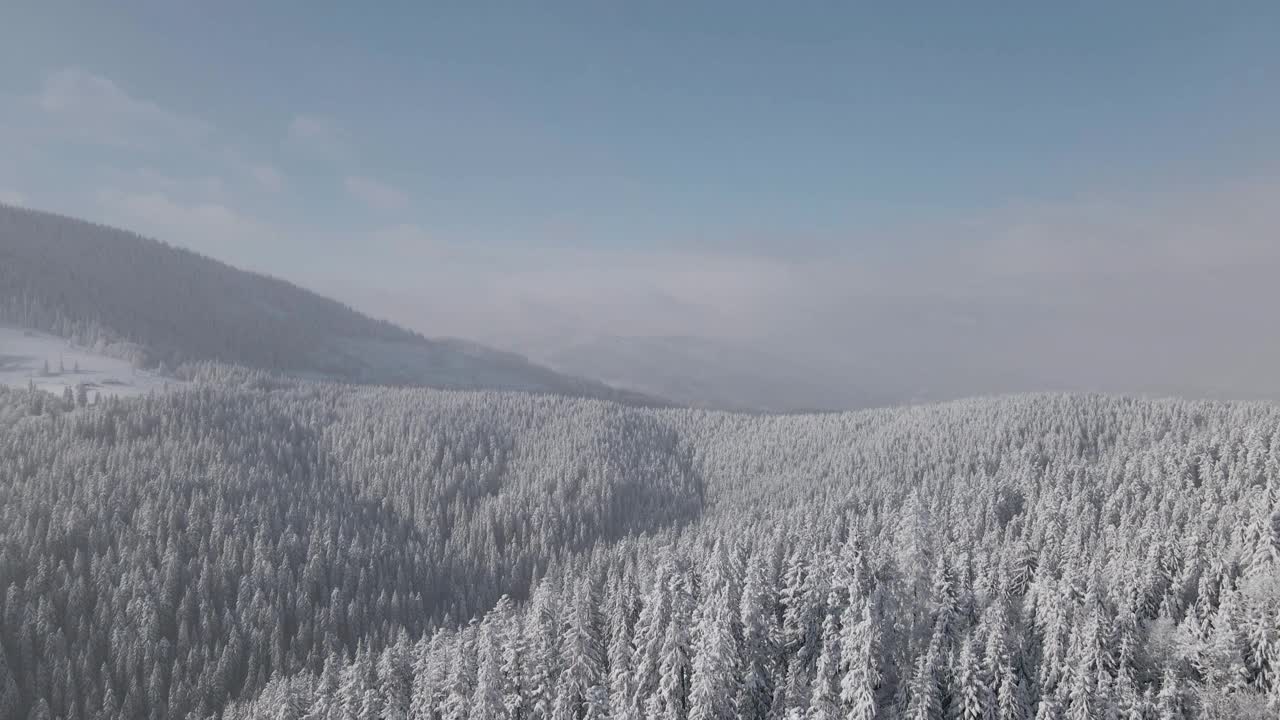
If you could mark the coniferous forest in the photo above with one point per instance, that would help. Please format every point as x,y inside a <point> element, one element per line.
<point>254,547</point>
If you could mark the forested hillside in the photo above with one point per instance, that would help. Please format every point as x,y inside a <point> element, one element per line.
<point>159,305</point>
<point>288,550</point>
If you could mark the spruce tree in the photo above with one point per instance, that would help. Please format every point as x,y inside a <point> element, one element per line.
<point>714,680</point>
<point>487,699</point>
<point>860,660</point>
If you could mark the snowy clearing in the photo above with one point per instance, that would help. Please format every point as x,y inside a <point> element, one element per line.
<point>25,353</point>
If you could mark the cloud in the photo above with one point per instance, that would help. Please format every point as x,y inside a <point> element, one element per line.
<point>267,177</point>
<point>1182,230</point>
<point>316,135</point>
<point>309,128</point>
<point>204,187</point>
<point>56,131</point>
<point>517,290</point>
<point>374,193</point>
<point>12,198</point>
<point>211,228</point>
<point>96,109</point>
<point>1167,291</point>
<point>407,240</point>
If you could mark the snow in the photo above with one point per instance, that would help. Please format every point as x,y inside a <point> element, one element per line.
<point>23,354</point>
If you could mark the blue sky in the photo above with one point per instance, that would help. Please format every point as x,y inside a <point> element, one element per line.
<point>647,167</point>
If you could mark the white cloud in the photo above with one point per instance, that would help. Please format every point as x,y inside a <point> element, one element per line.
<point>308,128</point>
<point>211,228</point>
<point>407,240</point>
<point>12,198</point>
<point>317,135</point>
<point>374,193</point>
<point>516,290</point>
<point>96,109</point>
<point>205,188</point>
<point>267,177</point>
<point>170,153</point>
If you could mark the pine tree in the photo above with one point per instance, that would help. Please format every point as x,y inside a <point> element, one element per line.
<point>395,681</point>
<point>713,685</point>
<point>974,700</point>
<point>1129,705</point>
<point>1224,658</point>
<point>8,689</point>
<point>925,694</point>
<point>514,663</point>
<point>487,700</point>
<point>371,699</point>
<point>1000,668</point>
<point>759,651</point>
<point>649,636</point>
<point>544,658</point>
<point>462,676</point>
<point>1170,703</point>
<point>563,705</point>
<point>323,699</point>
<point>40,711</point>
<point>860,661</point>
<point>422,692</point>
<point>1084,699</point>
<point>620,657</point>
<point>351,688</point>
<point>825,702</point>
<point>582,648</point>
<point>672,699</point>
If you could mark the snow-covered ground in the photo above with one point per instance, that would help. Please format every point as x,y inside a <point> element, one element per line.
<point>24,354</point>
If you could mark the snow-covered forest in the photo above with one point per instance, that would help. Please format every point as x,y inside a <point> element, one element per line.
<point>265,548</point>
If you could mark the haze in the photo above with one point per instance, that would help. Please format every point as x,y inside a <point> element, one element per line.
<point>728,205</point>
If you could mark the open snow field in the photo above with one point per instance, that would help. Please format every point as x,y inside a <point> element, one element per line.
<point>23,354</point>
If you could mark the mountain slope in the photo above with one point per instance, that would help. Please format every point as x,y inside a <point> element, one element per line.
<point>323,546</point>
<point>159,305</point>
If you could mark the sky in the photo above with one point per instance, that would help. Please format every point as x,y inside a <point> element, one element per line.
<point>1077,195</point>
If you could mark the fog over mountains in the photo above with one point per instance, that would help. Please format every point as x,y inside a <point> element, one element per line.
<point>161,306</point>
<point>1160,292</point>
<point>708,373</point>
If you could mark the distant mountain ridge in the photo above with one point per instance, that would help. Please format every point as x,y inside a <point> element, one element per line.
<point>712,374</point>
<point>160,305</point>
